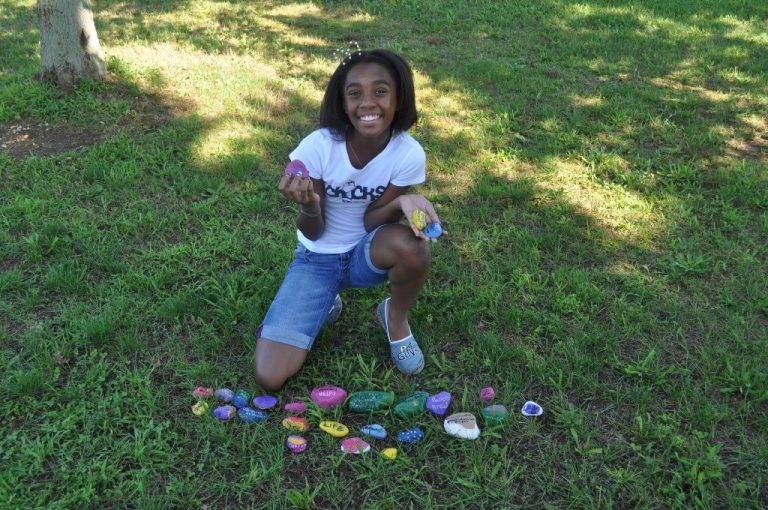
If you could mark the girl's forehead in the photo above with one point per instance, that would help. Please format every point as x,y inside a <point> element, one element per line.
<point>368,72</point>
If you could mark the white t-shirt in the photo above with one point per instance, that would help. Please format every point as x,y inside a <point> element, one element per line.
<point>349,191</point>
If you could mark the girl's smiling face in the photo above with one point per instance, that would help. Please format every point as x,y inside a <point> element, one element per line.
<point>370,100</point>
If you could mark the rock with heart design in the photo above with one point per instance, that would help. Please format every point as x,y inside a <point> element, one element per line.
<point>496,414</point>
<point>531,408</point>
<point>296,444</point>
<point>264,402</point>
<point>463,425</point>
<point>439,403</point>
<point>412,404</point>
<point>374,430</point>
<point>355,445</point>
<point>225,413</point>
<point>410,436</point>
<point>296,423</point>
<point>295,407</point>
<point>249,415</point>
<point>241,398</point>
<point>370,401</point>
<point>328,397</point>
<point>334,428</point>
<point>224,394</point>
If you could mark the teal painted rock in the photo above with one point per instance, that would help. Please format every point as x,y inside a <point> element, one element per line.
<point>370,401</point>
<point>412,404</point>
<point>495,415</point>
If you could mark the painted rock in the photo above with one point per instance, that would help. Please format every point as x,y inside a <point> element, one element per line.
<point>264,401</point>
<point>296,423</point>
<point>296,168</point>
<point>200,408</point>
<point>354,445</point>
<point>495,414</point>
<point>296,444</point>
<point>411,436</point>
<point>433,230</point>
<point>249,415</point>
<point>240,399</point>
<point>487,394</point>
<point>412,404</point>
<point>295,407</point>
<point>531,408</point>
<point>334,428</point>
<point>389,453</point>
<point>370,401</point>
<point>439,403</point>
<point>462,425</point>
<point>419,219</point>
<point>225,412</point>
<point>224,394</point>
<point>374,430</point>
<point>328,397</point>
<point>202,392</point>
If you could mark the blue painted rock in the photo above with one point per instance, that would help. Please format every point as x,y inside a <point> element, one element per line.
<point>433,230</point>
<point>202,392</point>
<point>224,394</point>
<point>296,168</point>
<point>463,425</point>
<point>296,423</point>
<point>487,394</point>
<point>412,404</point>
<point>328,397</point>
<point>531,408</point>
<point>295,407</point>
<point>296,444</point>
<point>224,412</point>
<point>240,399</point>
<point>496,414</point>
<point>354,445</point>
<point>249,415</point>
<point>370,401</point>
<point>374,430</point>
<point>264,401</point>
<point>439,403</point>
<point>200,408</point>
<point>411,436</point>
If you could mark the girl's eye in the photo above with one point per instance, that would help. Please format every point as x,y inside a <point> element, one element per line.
<point>381,91</point>
<point>353,93</point>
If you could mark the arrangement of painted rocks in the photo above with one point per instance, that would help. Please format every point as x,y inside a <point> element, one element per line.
<point>461,424</point>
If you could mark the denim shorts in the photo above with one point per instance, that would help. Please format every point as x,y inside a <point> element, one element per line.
<point>313,279</point>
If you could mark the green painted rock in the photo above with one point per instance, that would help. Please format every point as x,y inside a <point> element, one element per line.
<point>370,401</point>
<point>495,415</point>
<point>412,404</point>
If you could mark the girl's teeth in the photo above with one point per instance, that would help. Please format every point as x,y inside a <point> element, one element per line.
<point>369,117</point>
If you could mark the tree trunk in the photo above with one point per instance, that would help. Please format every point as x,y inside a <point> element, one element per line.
<point>69,46</point>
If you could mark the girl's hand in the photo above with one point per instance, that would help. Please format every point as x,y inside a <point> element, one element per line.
<point>301,191</point>
<point>409,203</point>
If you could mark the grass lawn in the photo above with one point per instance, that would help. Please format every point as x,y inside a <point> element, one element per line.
<point>601,166</point>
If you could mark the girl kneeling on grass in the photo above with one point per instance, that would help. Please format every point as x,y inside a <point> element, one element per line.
<point>362,162</point>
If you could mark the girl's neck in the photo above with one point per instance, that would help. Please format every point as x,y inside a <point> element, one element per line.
<point>363,150</point>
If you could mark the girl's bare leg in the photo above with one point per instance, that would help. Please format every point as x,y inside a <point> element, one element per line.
<point>275,362</point>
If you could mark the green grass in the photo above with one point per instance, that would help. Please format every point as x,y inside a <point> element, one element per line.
<point>601,167</point>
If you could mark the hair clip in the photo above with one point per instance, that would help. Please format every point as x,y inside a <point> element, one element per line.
<point>345,54</point>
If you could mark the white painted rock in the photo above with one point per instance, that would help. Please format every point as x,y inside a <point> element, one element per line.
<point>463,425</point>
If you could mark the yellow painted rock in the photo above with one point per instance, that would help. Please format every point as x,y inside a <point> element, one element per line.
<point>200,408</point>
<point>390,453</point>
<point>334,428</point>
<point>419,219</point>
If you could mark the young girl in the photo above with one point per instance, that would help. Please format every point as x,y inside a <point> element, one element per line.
<point>362,163</point>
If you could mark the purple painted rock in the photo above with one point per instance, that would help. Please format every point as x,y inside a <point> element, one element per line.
<point>295,407</point>
<point>224,394</point>
<point>296,168</point>
<point>531,408</point>
<point>496,414</point>
<point>264,401</point>
<point>241,398</point>
<point>487,394</point>
<point>439,403</point>
<point>296,444</point>
<point>328,397</point>
<point>296,423</point>
<point>411,436</point>
<point>375,431</point>
<point>354,445</point>
<point>202,392</point>
<point>224,413</point>
<point>248,415</point>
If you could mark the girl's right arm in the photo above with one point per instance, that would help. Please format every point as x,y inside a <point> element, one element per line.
<point>308,193</point>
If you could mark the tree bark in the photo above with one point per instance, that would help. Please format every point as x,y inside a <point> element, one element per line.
<point>69,46</point>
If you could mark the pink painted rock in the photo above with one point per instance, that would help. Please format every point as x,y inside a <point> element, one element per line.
<point>295,407</point>
<point>329,397</point>
<point>202,392</point>
<point>439,403</point>
<point>354,445</point>
<point>296,168</point>
<point>487,394</point>
<point>296,444</point>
